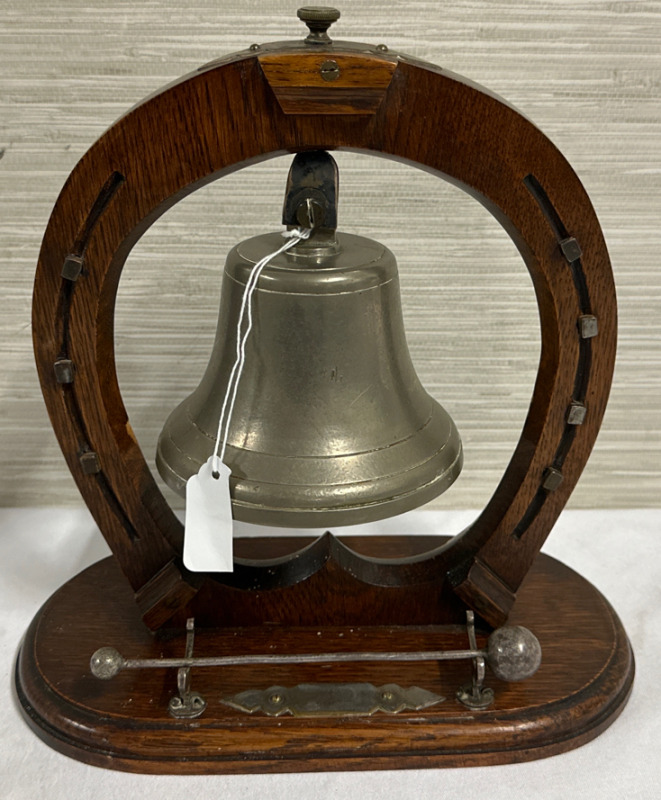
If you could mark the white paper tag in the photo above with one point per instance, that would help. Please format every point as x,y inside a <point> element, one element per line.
<point>208,527</point>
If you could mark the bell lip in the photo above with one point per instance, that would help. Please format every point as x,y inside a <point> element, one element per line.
<point>356,514</point>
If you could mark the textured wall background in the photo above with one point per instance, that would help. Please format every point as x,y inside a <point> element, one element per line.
<point>588,73</point>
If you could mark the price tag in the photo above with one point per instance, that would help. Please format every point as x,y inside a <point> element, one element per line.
<point>208,527</point>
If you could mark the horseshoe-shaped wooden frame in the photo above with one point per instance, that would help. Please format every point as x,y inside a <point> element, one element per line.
<point>271,101</point>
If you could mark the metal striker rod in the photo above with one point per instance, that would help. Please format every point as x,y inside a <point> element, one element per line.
<point>513,653</point>
<point>307,658</point>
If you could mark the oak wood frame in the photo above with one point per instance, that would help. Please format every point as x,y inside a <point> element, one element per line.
<point>258,104</point>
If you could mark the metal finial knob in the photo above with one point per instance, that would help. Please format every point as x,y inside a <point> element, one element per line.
<point>318,19</point>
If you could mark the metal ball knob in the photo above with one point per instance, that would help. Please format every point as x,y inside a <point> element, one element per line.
<point>513,653</point>
<point>106,663</point>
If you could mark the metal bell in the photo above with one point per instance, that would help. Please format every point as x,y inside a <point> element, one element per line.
<point>331,425</point>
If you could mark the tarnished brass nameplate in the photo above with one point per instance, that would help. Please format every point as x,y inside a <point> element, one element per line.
<point>333,700</point>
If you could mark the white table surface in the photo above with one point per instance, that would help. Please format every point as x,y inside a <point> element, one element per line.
<point>619,551</point>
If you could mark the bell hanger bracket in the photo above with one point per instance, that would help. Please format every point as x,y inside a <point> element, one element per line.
<point>311,193</point>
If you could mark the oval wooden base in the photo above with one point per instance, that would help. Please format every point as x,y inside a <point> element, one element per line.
<point>581,687</point>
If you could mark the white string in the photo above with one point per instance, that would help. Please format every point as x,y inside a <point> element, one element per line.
<point>295,236</point>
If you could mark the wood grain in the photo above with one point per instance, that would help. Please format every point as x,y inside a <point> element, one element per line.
<point>581,687</point>
<point>300,88</point>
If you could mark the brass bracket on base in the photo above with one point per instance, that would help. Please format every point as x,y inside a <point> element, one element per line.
<point>187,704</point>
<point>475,695</point>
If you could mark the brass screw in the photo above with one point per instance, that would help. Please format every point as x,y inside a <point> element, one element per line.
<point>382,48</point>
<point>309,214</point>
<point>275,699</point>
<point>330,70</point>
<point>387,696</point>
